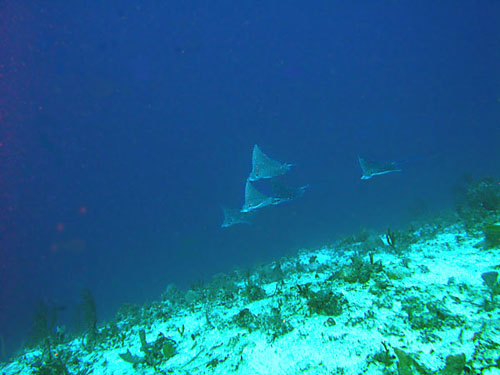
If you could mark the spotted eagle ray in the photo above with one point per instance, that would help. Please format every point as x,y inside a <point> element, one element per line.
<point>233,216</point>
<point>254,199</point>
<point>372,168</point>
<point>265,167</point>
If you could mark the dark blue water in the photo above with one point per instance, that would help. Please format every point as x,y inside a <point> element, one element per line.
<point>126,125</point>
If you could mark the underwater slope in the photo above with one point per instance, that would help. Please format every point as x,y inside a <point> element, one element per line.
<point>411,302</point>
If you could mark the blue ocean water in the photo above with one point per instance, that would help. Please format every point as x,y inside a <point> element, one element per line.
<point>126,126</point>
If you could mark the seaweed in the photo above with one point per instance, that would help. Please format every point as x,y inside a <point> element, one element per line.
<point>455,364</point>
<point>407,365</point>
<point>491,281</point>
<point>130,358</point>
<point>428,316</point>
<point>325,302</point>
<point>359,271</point>
<point>89,318</point>
<point>492,235</point>
<point>50,362</point>
<point>275,325</point>
<point>214,362</point>
<point>477,201</point>
<point>253,292</point>
<point>245,319</point>
<point>44,323</point>
<point>384,356</point>
<point>272,323</point>
<point>162,349</point>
